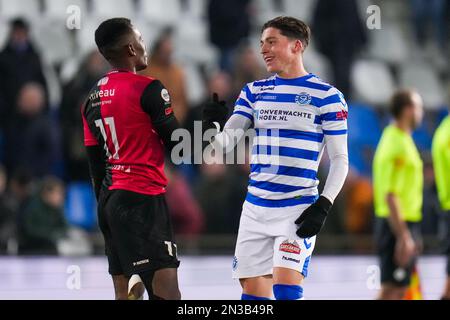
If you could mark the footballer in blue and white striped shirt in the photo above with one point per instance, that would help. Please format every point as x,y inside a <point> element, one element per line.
<point>295,115</point>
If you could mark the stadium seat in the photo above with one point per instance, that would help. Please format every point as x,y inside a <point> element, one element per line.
<point>318,64</point>
<point>57,9</point>
<point>197,9</point>
<point>53,40</point>
<point>394,10</point>
<point>195,88</point>
<point>300,9</point>
<point>422,77</point>
<point>114,8</point>
<point>388,44</point>
<point>54,88</point>
<point>85,40</point>
<point>160,12</point>
<point>372,82</point>
<point>80,206</point>
<point>69,68</point>
<point>266,10</point>
<point>20,8</point>
<point>191,39</point>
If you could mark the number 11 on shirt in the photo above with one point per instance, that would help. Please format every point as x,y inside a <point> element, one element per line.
<point>112,129</point>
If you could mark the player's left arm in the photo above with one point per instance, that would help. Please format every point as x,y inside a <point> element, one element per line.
<point>97,167</point>
<point>334,124</point>
<point>95,155</point>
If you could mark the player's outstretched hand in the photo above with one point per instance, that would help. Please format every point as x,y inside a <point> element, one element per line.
<point>215,111</point>
<point>313,218</point>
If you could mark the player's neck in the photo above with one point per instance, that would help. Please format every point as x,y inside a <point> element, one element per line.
<point>293,72</point>
<point>404,126</point>
<point>124,66</point>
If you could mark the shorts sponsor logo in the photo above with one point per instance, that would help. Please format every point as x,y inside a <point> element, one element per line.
<point>290,247</point>
<point>235,263</point>
<point>307,244</point>
<point>291,259</point>
<point>138,263</point>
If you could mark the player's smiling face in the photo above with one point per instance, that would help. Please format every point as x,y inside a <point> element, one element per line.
<point>278,51</point>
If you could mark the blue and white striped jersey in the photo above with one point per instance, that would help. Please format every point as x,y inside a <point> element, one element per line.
<point>292,118</point>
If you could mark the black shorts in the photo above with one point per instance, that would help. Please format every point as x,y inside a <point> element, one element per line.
<point>385,244</point>
<point>137,232</point>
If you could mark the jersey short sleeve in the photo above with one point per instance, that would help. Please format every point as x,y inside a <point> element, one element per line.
<point>334,113</point>
<point>156,102</point>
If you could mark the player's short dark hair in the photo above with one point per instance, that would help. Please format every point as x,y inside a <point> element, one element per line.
<point>19,24</point>
<point>290,27</point>
<point>400,101</point>
<point>110,33</point>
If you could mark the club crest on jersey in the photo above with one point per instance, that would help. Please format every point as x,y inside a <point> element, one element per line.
<point>103,81</point>
<point>290,247</point>
<point>165,95</point>
<point>303,99</point>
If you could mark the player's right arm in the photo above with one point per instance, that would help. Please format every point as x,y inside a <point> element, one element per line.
<point>405,246</point>
<point>241,120</point>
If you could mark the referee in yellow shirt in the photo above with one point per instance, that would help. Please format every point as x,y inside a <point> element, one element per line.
<point>441,163</point>
<point>398,187</point>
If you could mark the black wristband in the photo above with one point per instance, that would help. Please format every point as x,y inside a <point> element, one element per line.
<point>324,203</point>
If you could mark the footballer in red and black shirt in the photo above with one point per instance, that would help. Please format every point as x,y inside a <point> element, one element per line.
<point>128,122</point>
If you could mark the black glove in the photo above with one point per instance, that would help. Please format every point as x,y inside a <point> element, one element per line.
<point>313,218</point>
<point>215,111</point>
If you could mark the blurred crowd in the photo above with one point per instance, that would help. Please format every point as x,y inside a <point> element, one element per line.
<point>43,160</point>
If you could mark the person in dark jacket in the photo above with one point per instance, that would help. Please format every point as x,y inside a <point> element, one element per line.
<point>42,223</point>
<point>339,35</point>
<point>229,23</point>
<point>19,64</point>
<point>31,138</point>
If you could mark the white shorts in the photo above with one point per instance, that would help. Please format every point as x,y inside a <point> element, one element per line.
<point>267,238</point>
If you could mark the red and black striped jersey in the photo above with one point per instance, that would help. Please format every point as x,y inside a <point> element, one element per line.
<point>122,114</point>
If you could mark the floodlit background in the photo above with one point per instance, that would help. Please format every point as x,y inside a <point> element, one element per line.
<point>365,48</point>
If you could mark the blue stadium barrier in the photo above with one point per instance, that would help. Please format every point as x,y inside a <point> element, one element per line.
<point>442,113</point>
<point>80,206</point>
<point>423,137</point>
<point>364,132</point>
